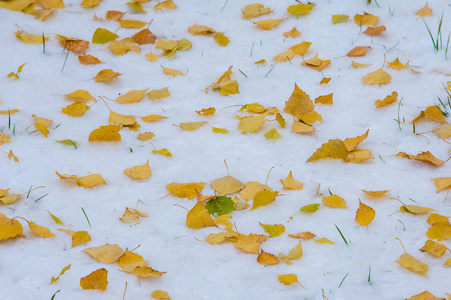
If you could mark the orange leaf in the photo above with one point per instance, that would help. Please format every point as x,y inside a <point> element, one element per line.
<point>97,280</point>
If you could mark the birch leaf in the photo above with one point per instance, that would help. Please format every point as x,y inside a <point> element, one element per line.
<point>412,264</point>
<point>106,133</point>
<point>442,183</point>
<point>185,190</point>
<point>265,258</point>
<point>106,75</point>
<point>139,172</point>
<point>332,149</point>
<point>10,228</point>
<point>377,77</point>
<point>364,215</point>
<point>268,24</point>
<point>97,280</point>
<point>199,217</point>
<point>107,253</point>
<point>254,10</point>
<point>291,184</point>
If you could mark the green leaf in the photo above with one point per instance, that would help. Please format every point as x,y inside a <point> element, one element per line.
<point>68,142</point>
<point>273,230</point>
<point>220,205</point>
<point>310,208</point>
<point>103,36</point>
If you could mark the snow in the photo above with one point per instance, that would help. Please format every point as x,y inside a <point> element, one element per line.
<point>195,269</point>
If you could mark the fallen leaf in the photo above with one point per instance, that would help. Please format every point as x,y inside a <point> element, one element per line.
<point>280,120</point>
<point>436,218</point>
<point>54,218</point>
<point>106,133</point>
<point>123,46</point>
<point>284,56</point>
<point>199,217</point>
<point>162,151</point>
<point>326,99</point>
<point>339,18</point>
<point>375,30</point>
<point>191,126</point>
<point>364,215</point>
<point>80,238</point>
<point>439,231</point>
<point>352,143</point>
<point>299,103</point>
<point>185,190</point>
<point>42,129</point>
<point>334,201</point>
<point>292,33</point>
<point>151,56</point>
<point>375,193</point>
<point>387,100</point>
<point>268,24</point>
<point>168,4</point>
<point>300,9</point>
<point>434,248</point>
<point>219,206</point>
<point>227,185</point>
<point>76,109</point>
<point>432,112</point>
<point>442,183</point>
<point>132,24</point>
<point>200,30</point>
<point>301,127</point>
<point>377,77</point>
<point>412,264</point>
<point>425,296</point>
<point>335,148</point>
<point>366,19</point>
<point>265,258</point>
<point>97,280</point>
<point>358,51</point>
<point>415,209</point>
<point>424,12</point>
<point>158,94</point>
<point>137,6</point>
<point>106,75</point>
<point>251,243</point>
<point>302,235</point>
<point>42,231</point>
<point>252,188</point>
<point>152,118</point>
<point>54,279</point>
<point>358,65</point>
<point>87,181</point>
<point>11,155</point>
<point>89,60</point>
<point>301,49</point>
<point>443,132</point>
<point>273,135</point>
<point>145,136</point>
<point>425,157</point>
<point>290,183</point>
<point>288,279</point>
<point>397,65</point>
<point>10,228</point>
<point>263,198</point>
<point>103,36</point>
<point>223,220</point>
<point>159,294</point>
<point>273,230</point>
<point>139,172</point>
<point>77,46</point>
<point>225,85</point>
<point>254,10</point>
<point>324,241</point>
<point>294,254</point>
<point>251,123</point>
<point>316,63</point>
<point>310,208</point>
<point>107,253</point>
<point>9,112</point>
<point>206,111</point>
<point>146,272</point>
<point>28,37</point>
<point>172,72</point>
<point>80,96</point>
<point>114,15</point>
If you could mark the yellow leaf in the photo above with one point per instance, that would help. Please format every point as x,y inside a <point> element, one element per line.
<point>137,6</point>
<point>139,172</point>
<point>221,39</point>
<point>411,263</point>
<point>357,156</point>
<point>191,126</point>
<point>300,9</point>
<point>40,230</point>
<point>424,12</point>
<point>425,157</point>
<point>352,143</point>
<point>172,72</point>
<point>152,118</point>
<point>51,4</point>
<point>442,183</point>
<point>121,119</point>
<point>219,130</point>
<point>88,60</point>
<point>366,19</point>
<point>316,63</point>
<point>397,65</point>
<point>145,136</point>
<point>206,111</point>
<point>387,100</point>
<point>288,279</point>
<point>415,209</point>
<point>358,51</point>
<point>9,112</point>
<point>42,129</point>
<point>326,99</point>
<point>80,237</point>
<point>226,185</point>
<point>301,49</point>
<point>443,132</point>
<point>254,10</point>
<point>106,133</point>
<point>146,272</point>
<point>267,24</point>
<point>310,117</point>
<point>332,149</point>
<point>251,123</point>
<point>200,30</point>
<point>339,18</point>
<point>97,280</point>
<point>358,65</point>
<point>80,96</point>
<point>294,254</point>
<point>377,77</point>
<point>89,3</point>
<point>77,46</point>
<point>67,231</point>
<point>132,24</point>
<point>425,296</point>
<point>11,155</point>
<point>159,294</point>
<point>151,56</point>
<point>76,109</point>
<point>129,217</point>
<point>292,33</point>
<point>375,30</point>
<point>185,190</point>
<point>168,4</point>
<point>19,5</point>
<point>433,113</point>
<point>263,198</point>
<point>107,253</point>
<point>265,258</point>
<point>299,103</point>
<point>123,46</point>
<point>334,201</point>
<point>286,55</point>
<point>272,135</point>
<point>106,75</point>
<point>54,279</point>
<point>223,220</point>
<point>448,263</point>
<point>280,120</point>
<point>290,183</point>
<point>440,231</point>
<point>375,193</point>
<point>199,217</point>
<point>9,228</point>
<point>158,94</point>
<point>103,36</point>
<point>436,218</point>
<point>8,199</point>
<point>324,241</point>
<point>28,37</point>
<point>251,243</point>
<point>302,235</point>
<point>87,181</point>
<point>216,238</point>
<point>163,151</point>
<point>364,215</point>
<point>273,230</point>
<point>57,220</point>
<point>252,188</point>
<point>301,127</point>
<point>434,248</point>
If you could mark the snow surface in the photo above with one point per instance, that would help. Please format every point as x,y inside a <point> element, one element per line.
<point>196,269</point>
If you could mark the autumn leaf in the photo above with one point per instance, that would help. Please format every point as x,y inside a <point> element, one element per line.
<point>151,56</point>
<point>252,188</point>
<point>103,36</point>
<point>106,75</point>
<point>97,280</point>
<point>425,157</point>
<point>54,218</point>
<point>310,208</point>
<point>131,216</point>
<point>316,63</point>
<point>80,96</point>
<point>324,241</point>
<point>68,142</point>
<point>284,56</point>
<point>366,19</point>
<point>106,133</point>
<point>225,84</point>
<point>220,205</point>
<point>434,248</point>
<point>299,103</point>
<point>425,296</point>
<point>158,94</point>
<point>424,12</point>
<point>375,30</point>
<point>433,112</point>
<point>251,123</point>
<point>377,77</point>
<point>191,126</point>
<point>132,24</point>
<point>251,243</point>
<point>265,258</point>
<point>268,24</point>
<point>28,37</point>
<point>137,6</point>
<point>300,9</point>
<point>364,215</point>
<point>397,65</point>
<point>54,279</point>
<point>254,10</point>
<point>107,253</point>
<point>172,72</point>
<point>139,172</point>
<point>339,18</point>
<point>11,155</point>
<point>359,65</point>
<point>42,231</point>
<point>80,238</point>
<point>199,217</point>
<point>326,99</point>
<point>76,109</point>
<point>415,209</point>
<point>273,135</point>
<point>162,151</point>
<point>440,231</point>
<point>123,46</point>
<point>90,3</point>
<point>75,45</point>
<point>152,118</point>
<point>387,100</point>
<point>292,33</point>
<point>201,30</point>
<point>442,183</point>
<point>288,279</point>
<point>302,235</point>
<point>334,201</point>
<point>290,183</point>
<point>294,254</point>
<point>301,49</point>
<point>227,185</point>
<point>185,190</point>
<point>263,198</point>
<point>168,4</point>
<point>352,143</point>
<point>159,294</point>
<point>335,148</point>
<point>301,127</point>
<point>9,228</point>
<point>114,15</point>
<point>358,51</point>
<point>375,193</point>
<point>87,181</point>
<point>89,60</point>
<point>273,230</point>
<point>412,264</point>
<point>443,132</point>
<point>144,37</point>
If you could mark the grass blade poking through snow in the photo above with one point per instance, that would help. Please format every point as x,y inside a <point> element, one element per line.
<point>342,236</point>
<point>86,216</point>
